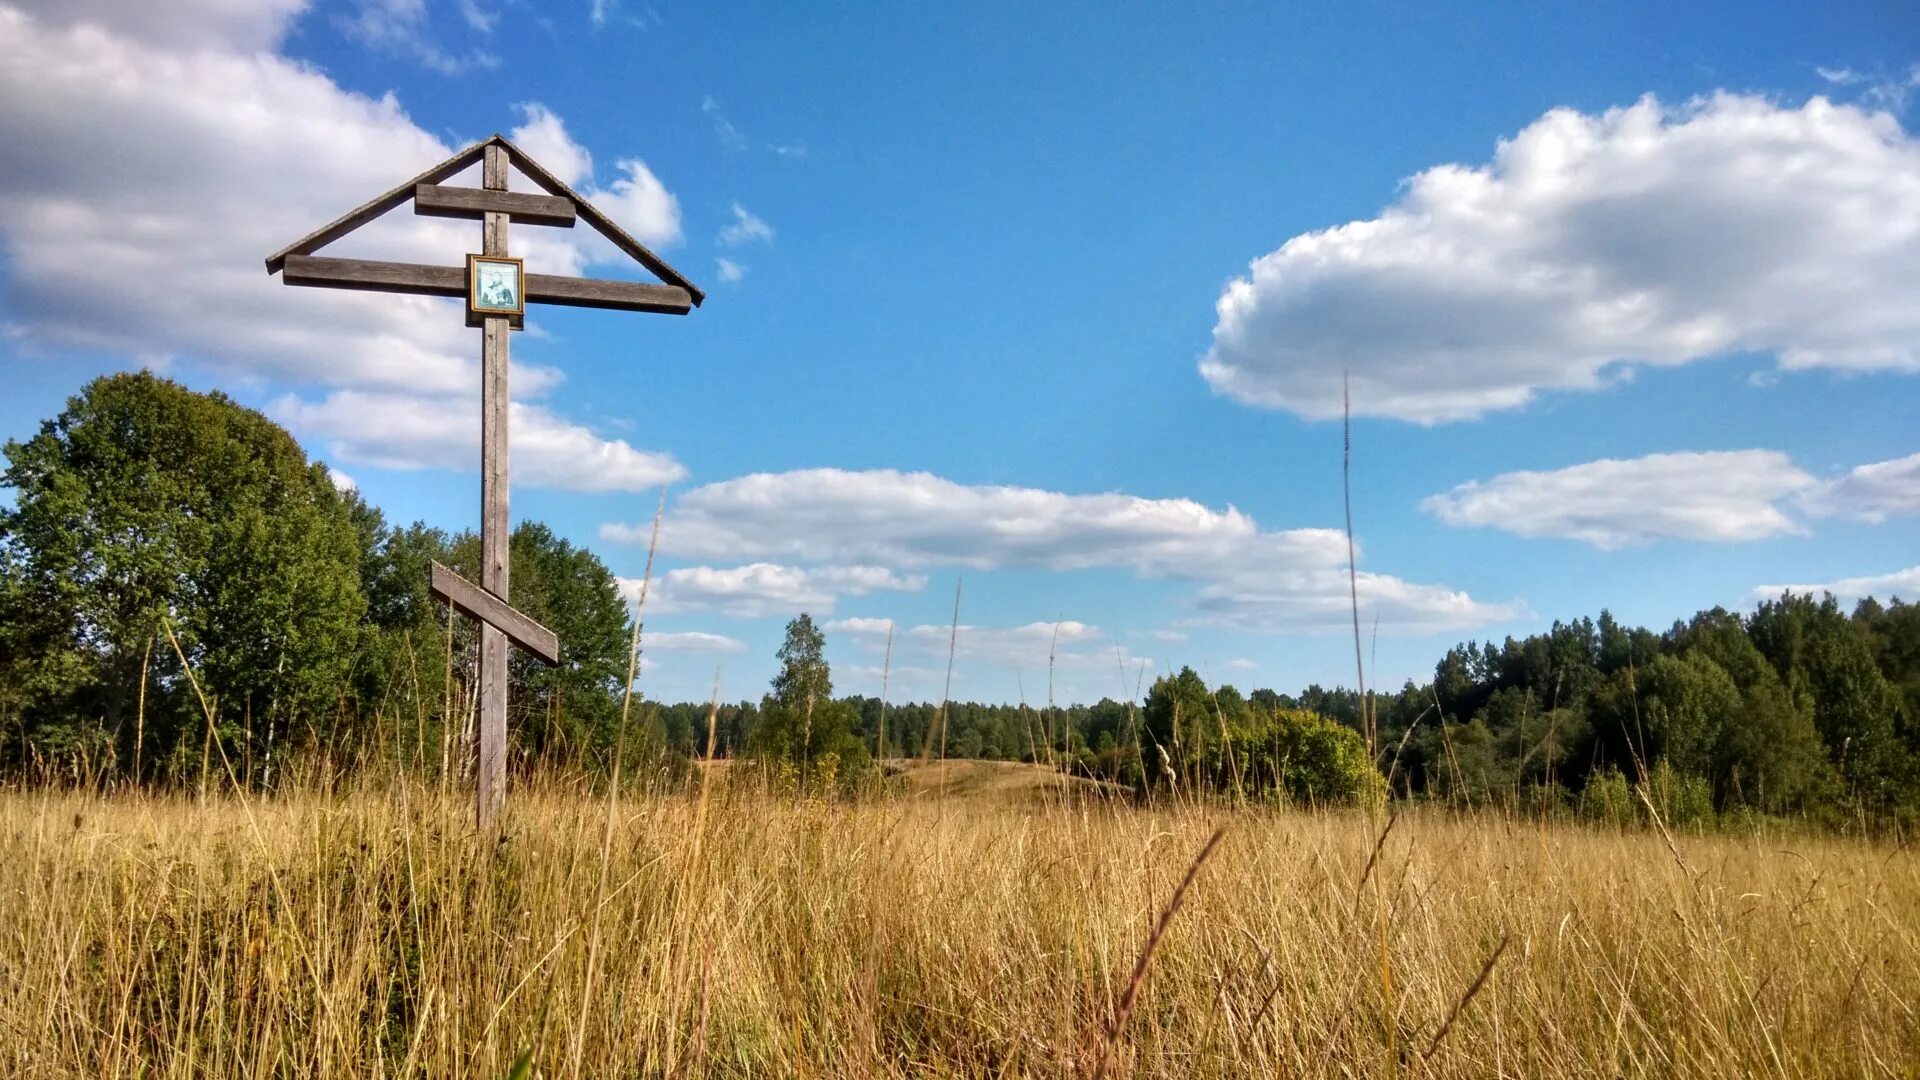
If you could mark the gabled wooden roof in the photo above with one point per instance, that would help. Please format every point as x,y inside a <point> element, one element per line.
<point>380,204</point>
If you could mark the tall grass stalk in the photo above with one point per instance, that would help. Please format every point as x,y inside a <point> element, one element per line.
<point>613,785</point>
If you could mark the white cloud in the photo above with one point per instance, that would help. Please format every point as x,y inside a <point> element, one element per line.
<point>1645,234</point>
<point>166,143</point>
<point>1723,496</point>
<point>1873,492</point>
<point>238,25</point>
<point>341,481</point>
<point>544,136</point>
<point>745,228</point>
<point>918,519</point>
<point>636,199</point>
<point>759,590</point>
<point>1240,664</point>
<point>88,110</point>
<point>1291,579</point>
<point>1904,584</point>
<point>399,431</point>
<point>641,204</point>
<point>690,641</point>
<point>729,270</point>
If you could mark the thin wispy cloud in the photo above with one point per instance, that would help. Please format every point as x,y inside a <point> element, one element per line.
<point>1899,584</point>
<point>684,641</point>
<point>1879,89</point>
<point>745,228</point>
<point>723,129</point>
<point>477,17</point>
<point>401,27</point>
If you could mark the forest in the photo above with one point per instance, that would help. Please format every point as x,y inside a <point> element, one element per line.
<point>169,556</point>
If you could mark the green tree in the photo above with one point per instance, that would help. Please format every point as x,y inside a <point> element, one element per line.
<point>1828,664</point>
<point>1180,725</point>
<point>1768,754</point>
<point>145,501</point>
<point>802,683</point>
<point>800,723</point>
<point>1686,702</point>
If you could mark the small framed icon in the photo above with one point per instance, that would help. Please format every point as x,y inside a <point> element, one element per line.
<point>496,285</point>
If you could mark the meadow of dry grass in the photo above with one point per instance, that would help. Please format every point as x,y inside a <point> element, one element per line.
<point>989,933</point>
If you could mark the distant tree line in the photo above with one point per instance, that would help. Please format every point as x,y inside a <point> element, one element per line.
<point>1796,709</point>
<point>150,523</point>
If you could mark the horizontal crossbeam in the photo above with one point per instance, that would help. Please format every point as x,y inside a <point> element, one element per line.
<point>490,609</point>
<point>433,200</point>
<point>422,280</point>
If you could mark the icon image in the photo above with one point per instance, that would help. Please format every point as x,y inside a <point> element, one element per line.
<point>494,285</point>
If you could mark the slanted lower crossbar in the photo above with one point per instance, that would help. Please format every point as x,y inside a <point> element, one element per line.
<point>497,613</point>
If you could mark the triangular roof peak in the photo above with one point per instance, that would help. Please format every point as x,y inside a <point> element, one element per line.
<point>532,169</point>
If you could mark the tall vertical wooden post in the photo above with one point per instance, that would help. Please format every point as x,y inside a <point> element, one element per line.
<point>491,761</point>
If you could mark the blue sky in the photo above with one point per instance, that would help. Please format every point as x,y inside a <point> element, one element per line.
<point>1058,300</point>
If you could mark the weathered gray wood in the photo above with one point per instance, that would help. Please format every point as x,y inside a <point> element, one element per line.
<point>603,224</point>
<point>326,271</point>
<point>433,200</point>
<point>490,748</point>
<point>615,295</point>
<point>495,612</point>
<point>496,333</point>
<point>374,207</point>
<point>493,177</point>
<point>375,276</point>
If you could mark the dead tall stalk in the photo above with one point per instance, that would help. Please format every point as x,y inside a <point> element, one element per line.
<point>886,675</point>
<point>613,790</point>
<point>1473,988</point>
<point>1353,572</point>
<point>1134,981</point>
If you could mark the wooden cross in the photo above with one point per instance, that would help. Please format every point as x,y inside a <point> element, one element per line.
<point>495,207</point>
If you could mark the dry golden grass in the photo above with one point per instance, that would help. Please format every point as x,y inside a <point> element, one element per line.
<point>1000,781</point>
<point>370,932</point>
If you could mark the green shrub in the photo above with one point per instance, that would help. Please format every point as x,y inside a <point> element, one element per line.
<point>1308,758</point>
<point>1684,800</point>
<point>1608,800</point>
